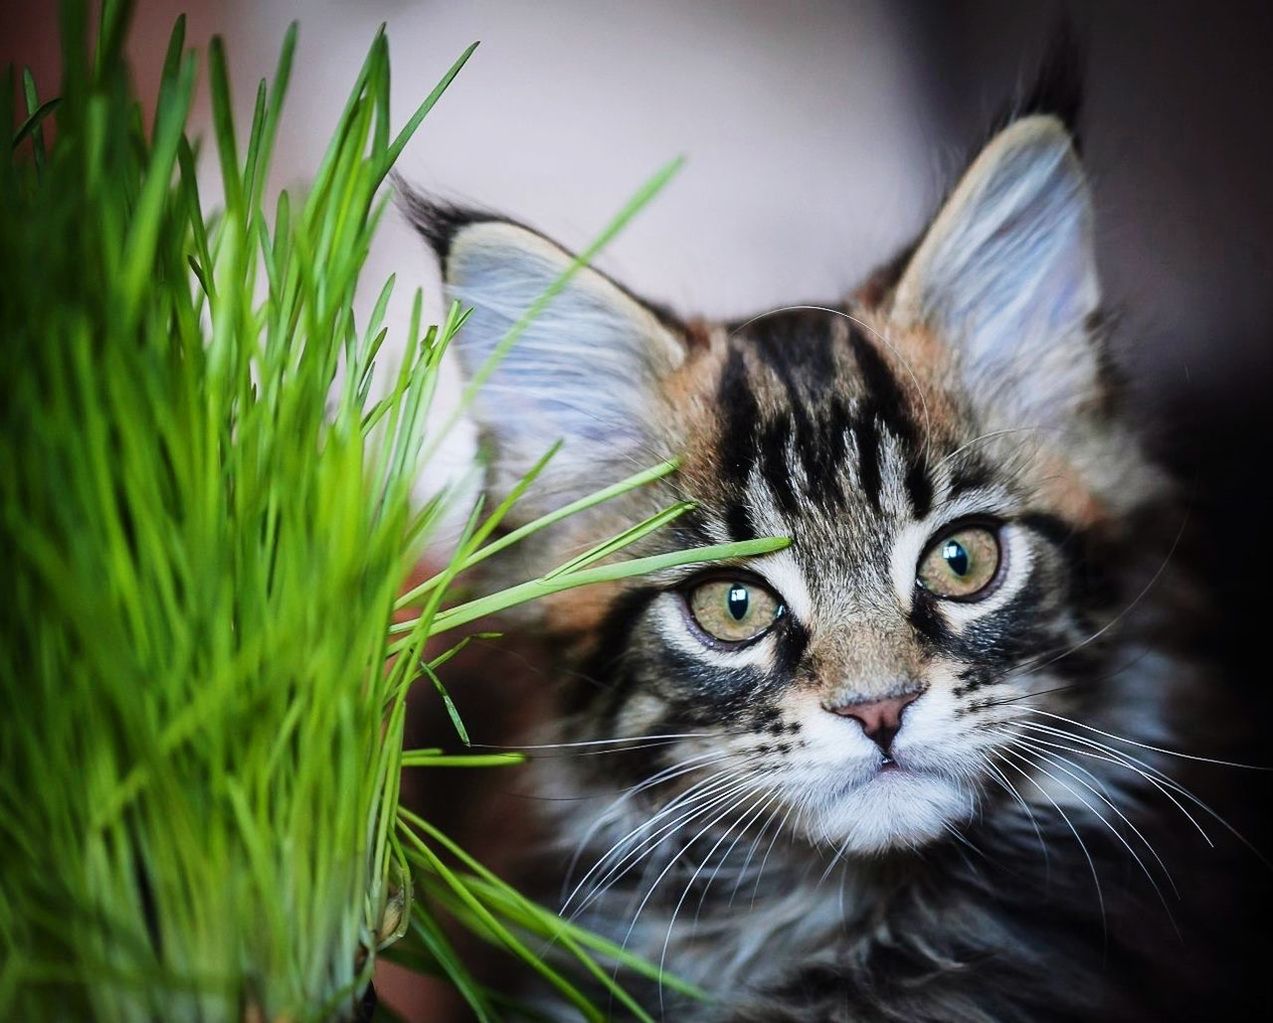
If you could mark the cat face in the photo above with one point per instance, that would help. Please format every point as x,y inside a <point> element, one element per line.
<point>941,451</point>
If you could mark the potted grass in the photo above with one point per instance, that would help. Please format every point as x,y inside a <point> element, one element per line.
<point>207,530</point>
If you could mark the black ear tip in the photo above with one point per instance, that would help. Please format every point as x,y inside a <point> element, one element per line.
<point>437,221</point>
<point>1058,85</point>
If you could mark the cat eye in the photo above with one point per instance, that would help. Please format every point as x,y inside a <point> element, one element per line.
<point>962,565</point>
<point>734,610</point>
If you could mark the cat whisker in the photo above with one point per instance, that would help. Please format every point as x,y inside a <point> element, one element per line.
<point>963,841</point>
<point>1091,863</point>
<point>755,891</point>
<point>663,775</point>
<point>1112,757</point>
<point>1147,746</point>
<point>1032,743</point>
<point>997,775</point>
<point>647,834</point>
<point>1038,766</point>
<point>1127,609</point>
<point>704,803</point>
<point>579,754</point>
<point>1067,766</point>
<point>840,850</point>
<point>1149,772</point>
<point>755,845</point>
<point>761,807</point>
<point>667,939</point>
<point>746,785</point>
<point>670,773</point>
<point>670,737</point>
<point>1104,677</point>
<point>699,808</point>
<point>703,785</point>
<point>1025,671</point>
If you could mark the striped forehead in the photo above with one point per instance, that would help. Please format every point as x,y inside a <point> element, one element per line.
<point>821,435</point>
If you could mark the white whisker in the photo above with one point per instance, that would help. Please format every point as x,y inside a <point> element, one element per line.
<point>701,788</point>
<point>667,939</point>
<point>703,804</point>
<point>671,863</point>
<point>1153,749</point>
<point>1100,896</point>
<point>997,775</point>
<point>1065,765</point>
<point>596,742</point>
<point>1113,757</point>
<point>1113,830</point>
<point>697,762</point>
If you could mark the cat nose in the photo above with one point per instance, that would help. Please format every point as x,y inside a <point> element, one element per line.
<point>881,720</point>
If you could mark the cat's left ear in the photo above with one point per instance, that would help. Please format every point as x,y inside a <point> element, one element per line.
<point>1006,276</point>
<point>586,372</point>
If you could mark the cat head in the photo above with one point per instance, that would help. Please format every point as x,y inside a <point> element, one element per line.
<point>943,449</point>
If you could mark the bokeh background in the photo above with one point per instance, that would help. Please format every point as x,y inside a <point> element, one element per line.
<point>819,137</point>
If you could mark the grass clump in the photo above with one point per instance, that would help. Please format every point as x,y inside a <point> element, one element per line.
<point>207,527</point>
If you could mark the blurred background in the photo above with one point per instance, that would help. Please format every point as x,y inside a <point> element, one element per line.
<point>820,136</point>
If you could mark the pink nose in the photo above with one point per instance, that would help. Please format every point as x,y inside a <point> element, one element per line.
<point>881,720</point>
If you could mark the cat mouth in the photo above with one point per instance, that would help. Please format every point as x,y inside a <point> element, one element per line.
<point>891,803</point>
<point>885,766</point>
<point>889,765</point>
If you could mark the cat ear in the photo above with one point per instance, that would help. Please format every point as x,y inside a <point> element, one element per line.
<point>1006,275</point>
<point>585,372</point>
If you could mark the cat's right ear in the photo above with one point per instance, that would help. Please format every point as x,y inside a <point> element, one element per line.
<point>585,372</point>
<point>1007,276</point>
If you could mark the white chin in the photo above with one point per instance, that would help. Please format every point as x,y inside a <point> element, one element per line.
<point>893,810</point>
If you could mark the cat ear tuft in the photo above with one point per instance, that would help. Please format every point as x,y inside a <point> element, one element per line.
<point>586,371</point>
<point>436,221</point>
<point>1006,274</point>
<point>1057,88</point>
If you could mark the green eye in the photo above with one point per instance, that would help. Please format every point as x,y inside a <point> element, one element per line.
<point>734,610</point>
<point>962,564</point>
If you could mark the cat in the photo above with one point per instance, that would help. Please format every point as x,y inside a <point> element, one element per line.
<point>911,767</point>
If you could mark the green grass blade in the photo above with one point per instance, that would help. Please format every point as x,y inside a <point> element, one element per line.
<point>223,125</point>
<point>621,541</point>
<point>625,486</point>
<point>422,111</point>
<point>457,886</point>
<point>31,126</point>
<point>537,589</point>
<point>36,130</point>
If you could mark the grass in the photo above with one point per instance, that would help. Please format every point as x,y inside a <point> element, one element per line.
<point>207,531</point>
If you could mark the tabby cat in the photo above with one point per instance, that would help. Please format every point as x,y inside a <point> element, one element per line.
<point>901,770</point>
